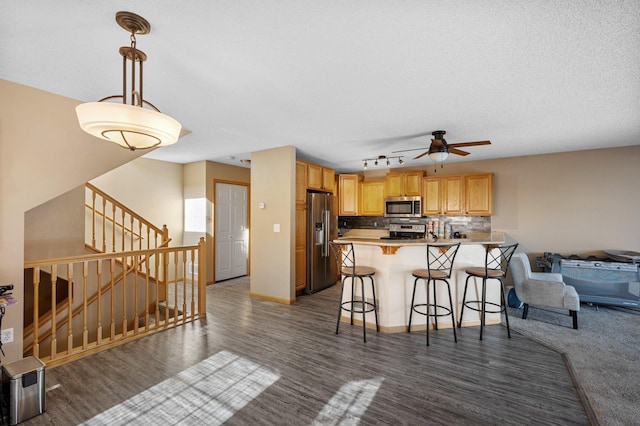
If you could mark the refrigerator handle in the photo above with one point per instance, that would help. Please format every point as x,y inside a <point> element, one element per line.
<point>325,218</point>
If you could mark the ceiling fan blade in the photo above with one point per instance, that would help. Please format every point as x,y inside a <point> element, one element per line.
<point>421,155</point>
<point>457,151</point>
<point>469,143</point>
<point>405,150</point>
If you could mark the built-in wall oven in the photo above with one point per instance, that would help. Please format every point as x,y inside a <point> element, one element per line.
<point>403,207</point>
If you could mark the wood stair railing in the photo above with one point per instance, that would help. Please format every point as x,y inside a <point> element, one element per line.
<point>107,293</point>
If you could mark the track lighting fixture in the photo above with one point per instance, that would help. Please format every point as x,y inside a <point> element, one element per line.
<point>381,158</point>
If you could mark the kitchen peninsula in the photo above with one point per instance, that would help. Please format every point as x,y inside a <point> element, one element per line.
<point>394,260</point>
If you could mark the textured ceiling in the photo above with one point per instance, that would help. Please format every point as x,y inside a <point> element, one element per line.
<point>348,80</point>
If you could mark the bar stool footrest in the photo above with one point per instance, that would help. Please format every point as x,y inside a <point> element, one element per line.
<point>479,302</point>
<point>359,310</point>
<point>445,309</point>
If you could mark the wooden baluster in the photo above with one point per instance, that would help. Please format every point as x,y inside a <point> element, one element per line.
<point>104,225</point>
<point>131,242</point>
<point>156,261</point>
<point>193,281</point>
<point>124,297</point>
<point>70,309</point>
<point>165,285</point>
<point>184,284</point>
<point>136,303</point>
<point>113,228</point>
<point>54,310</point>
<point>202,278</point>
<point>123,239</point>
<point>93,219</point>
<point>85,329</point>
<point>146,295</point>
<point>112,267</point>
<point>140,235</point>
<point>176,288</point>
<point>99,307</point>
<point>36,311</point>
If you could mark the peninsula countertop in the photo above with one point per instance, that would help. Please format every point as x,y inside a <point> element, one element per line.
<point>374,239</point>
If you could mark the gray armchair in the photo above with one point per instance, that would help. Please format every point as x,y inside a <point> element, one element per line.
<point>542,288</point>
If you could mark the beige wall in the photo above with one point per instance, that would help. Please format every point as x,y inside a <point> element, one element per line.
<point>273,253</point>
<point>152,189</point>
<point>56,228</point>
<point>43,153</point>
<point>573,202</point>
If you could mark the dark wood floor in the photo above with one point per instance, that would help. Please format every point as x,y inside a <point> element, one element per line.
<point>258,362</point>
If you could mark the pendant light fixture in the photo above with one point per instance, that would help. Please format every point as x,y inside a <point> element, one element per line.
<point>130,125</point>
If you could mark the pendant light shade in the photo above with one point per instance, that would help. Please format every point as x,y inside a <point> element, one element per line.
<point>131,126</point>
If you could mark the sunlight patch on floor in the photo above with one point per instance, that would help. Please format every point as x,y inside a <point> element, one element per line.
<point>209,393</point>
<point>349,403</point>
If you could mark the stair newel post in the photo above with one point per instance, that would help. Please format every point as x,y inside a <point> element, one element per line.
<point>54,311</point>
<point>99,301</point>
<point>36,310</point>
<point>202,277</point>
<point>165,284</point>
<point>85,290</point>
<point>184,284</point>
<point>70,308</point>
<point>165,235</point>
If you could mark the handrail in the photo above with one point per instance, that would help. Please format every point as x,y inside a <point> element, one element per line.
<point>111,222</point>
<point>116,297</point>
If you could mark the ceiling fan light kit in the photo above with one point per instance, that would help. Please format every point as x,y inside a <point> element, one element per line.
<point>131,126</point>
<point>439,149</point>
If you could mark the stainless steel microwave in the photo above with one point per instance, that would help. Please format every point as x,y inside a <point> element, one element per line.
<point>403,207</point>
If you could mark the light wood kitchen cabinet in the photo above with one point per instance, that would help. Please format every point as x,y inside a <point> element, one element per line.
<point>348,194</point>
<point>453,195</point>
<point>320,178</point>
<point>400,184</point>
<point>478,190</point>
<point>301,247</point>
<point>431,196</point>
<point>301,182</point>
<point>372,198</point>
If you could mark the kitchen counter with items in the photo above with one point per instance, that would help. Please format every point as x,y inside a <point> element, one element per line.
<point>394,261</point>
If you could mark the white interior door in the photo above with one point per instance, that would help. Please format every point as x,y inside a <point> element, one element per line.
<point>231,233</point>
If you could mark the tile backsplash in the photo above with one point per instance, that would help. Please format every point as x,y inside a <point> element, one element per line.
<point>462,224</point>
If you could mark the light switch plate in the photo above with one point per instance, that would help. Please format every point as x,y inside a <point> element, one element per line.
<point>276,227</point>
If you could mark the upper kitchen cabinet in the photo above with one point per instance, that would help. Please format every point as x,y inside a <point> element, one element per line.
<point>372,198</point>
<point>301,182</point>
<point>320,178</point>
<point>453,195</point>
<point>431,196</point>
<point>478,191</point>
<point>400,184</point>
<point>348,194</point>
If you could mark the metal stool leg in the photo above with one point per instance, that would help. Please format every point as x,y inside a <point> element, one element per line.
<point>427,310</point>
<point>504,306</point>
<point>364,313</point>
<point>375,303</point>
<point>413,298</point>
<point>453,320</point>
<point>464,298</point>
<point>340,306</point>
<point>435,304</point>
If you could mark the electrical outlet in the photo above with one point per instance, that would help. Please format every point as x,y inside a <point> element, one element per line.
<point>6,335</point>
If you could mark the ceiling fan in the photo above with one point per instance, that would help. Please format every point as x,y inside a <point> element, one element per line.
<point>439,149</point>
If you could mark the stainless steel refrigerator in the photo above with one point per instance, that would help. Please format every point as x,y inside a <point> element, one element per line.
<point>321,228</point>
